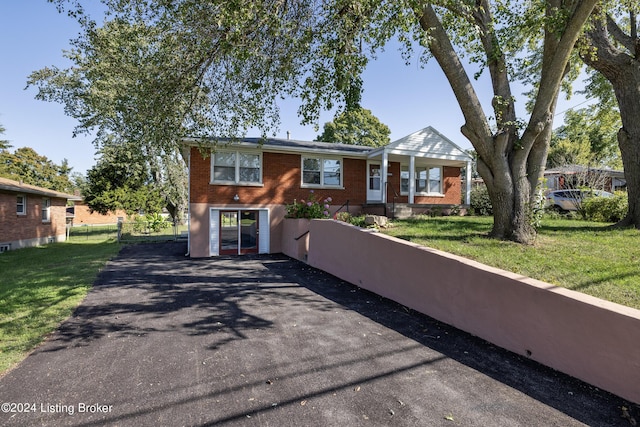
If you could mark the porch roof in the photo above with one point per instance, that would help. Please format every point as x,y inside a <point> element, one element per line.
<point>424,145</point>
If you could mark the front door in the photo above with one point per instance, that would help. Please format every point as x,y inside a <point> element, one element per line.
<point>238,232</point>
<point>374,182</point>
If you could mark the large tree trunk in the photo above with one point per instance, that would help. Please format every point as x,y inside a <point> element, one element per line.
<point>626,85</point>
<point>620,64</point>
<point>510,164</point>
<point>629,142</point>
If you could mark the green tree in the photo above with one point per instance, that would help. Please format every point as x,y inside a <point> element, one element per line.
<point>120,181</point>
<point>26,165</point>
<point>588,137</point>
<point>4,144</point>
<point>357,126</point>
<point>158,71</point>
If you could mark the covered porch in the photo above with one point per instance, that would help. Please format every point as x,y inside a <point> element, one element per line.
<point>420,170</point>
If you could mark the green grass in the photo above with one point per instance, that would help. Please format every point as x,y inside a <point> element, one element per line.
<point>587,257</point>
<point>40,287</point>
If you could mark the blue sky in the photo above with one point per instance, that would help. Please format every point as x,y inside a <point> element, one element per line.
<point>34,35</point>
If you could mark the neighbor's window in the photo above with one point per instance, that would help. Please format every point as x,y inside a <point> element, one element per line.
<point>21,204</point>
<point>317,171</point>
<point>236,167</point>
<point>46,209</point>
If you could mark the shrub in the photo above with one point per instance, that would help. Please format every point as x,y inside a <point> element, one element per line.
<point>480,201</point>
<point>150,222</point>
<point>358,221</point>
<point>606,209</point>
<point>343,216</point>
<point>311,208</point>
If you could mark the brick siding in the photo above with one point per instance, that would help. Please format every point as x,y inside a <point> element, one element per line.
<point>281,177</point>
<point>451,186</point>
<point>83,215</point>
<point>14,227</point>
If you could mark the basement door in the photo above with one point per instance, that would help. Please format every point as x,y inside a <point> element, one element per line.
<point>237,232</point>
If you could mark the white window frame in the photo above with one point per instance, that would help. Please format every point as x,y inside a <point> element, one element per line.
<point>405,167</point>
<point>236,180</point>
<point>46,209</point>
<point>322,160</point>
<point>21,206</point>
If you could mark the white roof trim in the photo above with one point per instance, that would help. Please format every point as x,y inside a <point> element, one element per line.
<point>427,142</point>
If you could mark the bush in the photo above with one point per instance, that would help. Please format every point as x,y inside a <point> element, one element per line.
<point>606,209</point>
<point>358,221</point>
<point>311,208</point>
<point>480,201</point>
<point>150,223</point>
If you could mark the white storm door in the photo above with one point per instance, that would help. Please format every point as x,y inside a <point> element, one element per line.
<point>374,182</point>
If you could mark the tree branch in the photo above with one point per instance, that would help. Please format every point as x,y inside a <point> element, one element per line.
<point>476,127</point>
<point>553,70</point>
<point>620,36</point>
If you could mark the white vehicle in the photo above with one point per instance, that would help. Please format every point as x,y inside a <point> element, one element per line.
<point>571,200</point>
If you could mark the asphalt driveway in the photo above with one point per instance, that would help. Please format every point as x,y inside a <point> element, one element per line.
<point>164,340</point>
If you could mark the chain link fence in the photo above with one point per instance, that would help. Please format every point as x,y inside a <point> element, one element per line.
<point>128,232</point>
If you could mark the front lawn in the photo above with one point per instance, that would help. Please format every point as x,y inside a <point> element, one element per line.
<point>40,287</point>
<point>584,256</point>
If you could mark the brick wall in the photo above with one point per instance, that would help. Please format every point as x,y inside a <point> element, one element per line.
<point>281,177</point>
<point>451,186</point>
<point>281,183</point>
<point>83,215</point>
<point>14,227</point>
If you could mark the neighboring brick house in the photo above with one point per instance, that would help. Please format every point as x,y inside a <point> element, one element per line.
<point>238,191</point>
<point>82,215</point>
<point>30,215</point>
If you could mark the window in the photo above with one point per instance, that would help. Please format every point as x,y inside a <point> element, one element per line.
<point>404,179</point>
<point>321,172</point>
<point>236,167</point>
<point>21,205</point>
<point>46,209</point>
<point>428,179</point>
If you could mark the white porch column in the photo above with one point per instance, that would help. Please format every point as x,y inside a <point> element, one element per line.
<point>384,170</point>
<point>412,179</point>
<point>467,192</point>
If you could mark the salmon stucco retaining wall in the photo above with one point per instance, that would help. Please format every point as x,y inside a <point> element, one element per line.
<point>295,238</point>
<point>586,337</point>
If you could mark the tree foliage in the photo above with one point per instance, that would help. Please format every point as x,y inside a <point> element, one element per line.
<point>26,165</point>
<point>120,181</point>
<point>588,137</point>
<point>156,71</point>
<point>4,144</point>
<point>357,126</point>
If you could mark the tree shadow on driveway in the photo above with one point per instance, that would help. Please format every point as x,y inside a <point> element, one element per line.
<point>569,395</point>
<point>266,340</point>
